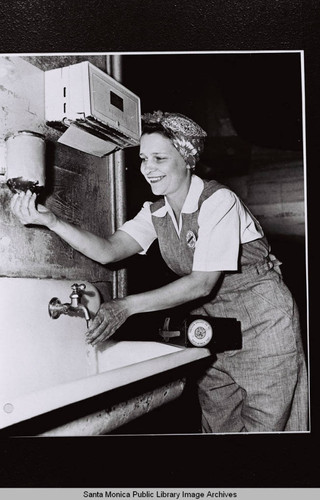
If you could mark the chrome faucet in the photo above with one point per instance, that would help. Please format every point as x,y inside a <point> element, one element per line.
<point>56,308</point>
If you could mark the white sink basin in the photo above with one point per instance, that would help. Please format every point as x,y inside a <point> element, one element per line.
<point>45,364</point>
<point>115,354</point>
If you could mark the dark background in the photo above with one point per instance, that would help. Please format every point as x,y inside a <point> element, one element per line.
<point>282,460</point>
<point>262,91</point>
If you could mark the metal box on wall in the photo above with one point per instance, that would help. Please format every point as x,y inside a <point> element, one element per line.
<point>96,113</point>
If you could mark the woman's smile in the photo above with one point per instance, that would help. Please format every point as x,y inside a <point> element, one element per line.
<point>154,179</point>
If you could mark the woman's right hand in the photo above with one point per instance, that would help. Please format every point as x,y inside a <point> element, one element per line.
<point>23,206</point>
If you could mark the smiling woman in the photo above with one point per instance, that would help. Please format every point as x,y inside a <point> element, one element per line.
<point>223,267</point>
<point>169,149</point>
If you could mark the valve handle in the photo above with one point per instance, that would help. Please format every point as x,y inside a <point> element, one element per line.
<point>77,287</point>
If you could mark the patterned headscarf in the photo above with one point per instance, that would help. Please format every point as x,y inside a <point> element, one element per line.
<point>186,135</point>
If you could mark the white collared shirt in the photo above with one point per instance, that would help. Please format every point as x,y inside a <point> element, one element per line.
<point>224,223</point>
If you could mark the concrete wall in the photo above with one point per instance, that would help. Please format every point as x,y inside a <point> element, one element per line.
<point>78,186</point>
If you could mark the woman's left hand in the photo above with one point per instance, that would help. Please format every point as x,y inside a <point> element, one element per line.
<point>110,316</point>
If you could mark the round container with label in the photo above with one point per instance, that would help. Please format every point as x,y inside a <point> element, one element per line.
<point>25,161</point>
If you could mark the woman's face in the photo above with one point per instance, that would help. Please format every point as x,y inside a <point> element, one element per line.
<point>162,165</point>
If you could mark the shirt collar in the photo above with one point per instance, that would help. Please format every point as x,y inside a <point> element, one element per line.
<point>191,202</point>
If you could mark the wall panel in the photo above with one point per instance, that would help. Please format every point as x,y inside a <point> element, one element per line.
<point>78,187</point>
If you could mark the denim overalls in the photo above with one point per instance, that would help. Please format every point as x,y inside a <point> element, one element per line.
<point>263,386</point>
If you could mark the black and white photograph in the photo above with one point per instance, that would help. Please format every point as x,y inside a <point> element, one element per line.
<point>156,260</point>
<point>153,270</point>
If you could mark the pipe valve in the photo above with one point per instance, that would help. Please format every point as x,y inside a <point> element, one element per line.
<point>56,308</point>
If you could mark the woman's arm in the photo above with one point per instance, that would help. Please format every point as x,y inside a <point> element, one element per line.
<point>193,286</point>
<point>113,314</point>
<point>116,247</point>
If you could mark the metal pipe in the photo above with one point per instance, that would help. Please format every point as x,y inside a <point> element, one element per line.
<point>109,64</point>
<point>117,67</point>
<point>112,177</point>
<point>117,164</point>
<point>106,420</point>
<point>120,216</point>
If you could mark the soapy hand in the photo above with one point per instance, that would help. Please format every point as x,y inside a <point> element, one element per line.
<point>23,206</point>
<point>108,319</point>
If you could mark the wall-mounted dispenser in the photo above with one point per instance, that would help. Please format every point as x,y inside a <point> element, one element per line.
<point>25,161</point>
<point>96,114</point>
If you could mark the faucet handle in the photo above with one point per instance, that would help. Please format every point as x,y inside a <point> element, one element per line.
<point>76,293</point>
<point>76,288</point>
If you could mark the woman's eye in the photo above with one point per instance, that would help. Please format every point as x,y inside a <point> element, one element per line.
<point>160,158</point>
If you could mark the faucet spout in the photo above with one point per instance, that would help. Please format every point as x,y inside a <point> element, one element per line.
<point>84,309</point>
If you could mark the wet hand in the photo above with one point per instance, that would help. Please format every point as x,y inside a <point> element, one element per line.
<point>108,319</point>
<point>23,206</point>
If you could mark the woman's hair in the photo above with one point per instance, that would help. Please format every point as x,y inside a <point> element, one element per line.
<point>185,134</point>
<point>152,128</point>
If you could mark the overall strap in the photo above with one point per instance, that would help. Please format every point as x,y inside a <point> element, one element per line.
<point>210,187</point>
<point>156,205</point>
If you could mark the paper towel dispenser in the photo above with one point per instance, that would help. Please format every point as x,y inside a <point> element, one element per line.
<point>95,113</point>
